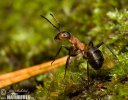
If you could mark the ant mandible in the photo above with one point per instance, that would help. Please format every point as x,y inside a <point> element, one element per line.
<point>89,52</point>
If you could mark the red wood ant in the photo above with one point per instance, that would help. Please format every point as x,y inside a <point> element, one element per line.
<point>89,52</point>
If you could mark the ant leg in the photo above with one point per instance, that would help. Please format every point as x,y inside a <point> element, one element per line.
<point>59,52</point>
<point>102,43</point>
<point>90,43</point>
<point>88,75</point>
<point>99,44</point>
<point>67,64</point>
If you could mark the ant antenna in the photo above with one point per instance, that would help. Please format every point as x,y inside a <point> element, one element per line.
<point>57,28</point>
<point>56,21</point>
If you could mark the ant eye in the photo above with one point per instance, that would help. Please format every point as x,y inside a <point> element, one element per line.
<point>65,35</point>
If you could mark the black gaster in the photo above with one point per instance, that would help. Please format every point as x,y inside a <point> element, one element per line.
<point>95,58</point>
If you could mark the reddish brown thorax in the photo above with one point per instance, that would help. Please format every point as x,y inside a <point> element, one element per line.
<point>77,43</point>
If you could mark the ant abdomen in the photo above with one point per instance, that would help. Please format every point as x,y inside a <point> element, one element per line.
<point>95,58</point>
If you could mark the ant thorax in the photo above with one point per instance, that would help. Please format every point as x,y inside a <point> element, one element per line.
<point>77,43</point>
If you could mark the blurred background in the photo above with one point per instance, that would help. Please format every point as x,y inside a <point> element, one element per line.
<point>26,39</point>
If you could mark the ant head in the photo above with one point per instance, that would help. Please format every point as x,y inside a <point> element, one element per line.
<point>64,35</point>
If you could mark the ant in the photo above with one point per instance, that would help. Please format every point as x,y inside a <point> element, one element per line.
<point>89,52</point>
